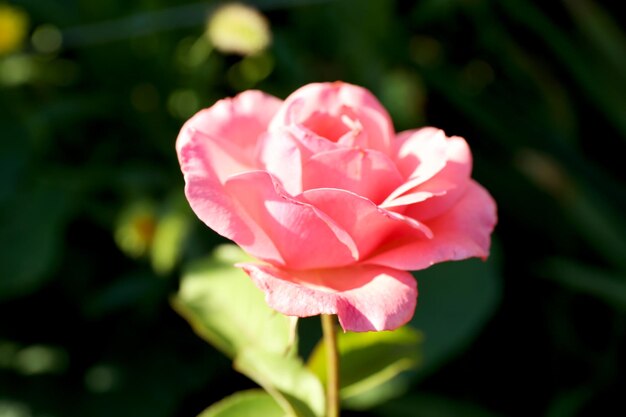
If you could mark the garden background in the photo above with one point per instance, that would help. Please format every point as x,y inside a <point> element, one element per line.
<point>95,231</point>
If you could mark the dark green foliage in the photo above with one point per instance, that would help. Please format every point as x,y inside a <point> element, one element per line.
<point>87,135</point>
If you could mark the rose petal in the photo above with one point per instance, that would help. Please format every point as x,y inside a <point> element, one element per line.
<point>368,173</point>
<point>302,235</point>
<point>462,232</point>
<point>280,155</point>
<point>337,100</point>
<point>205,192</point>
<point>420,153</point>
<point>365,298</point>
<point>229,131</point>
<point>447,186</point>
<point>219,142</point>
<point>367,224</point>
<point>438,184</point>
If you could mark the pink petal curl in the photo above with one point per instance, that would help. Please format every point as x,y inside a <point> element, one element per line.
<point>439,171</point>
<point>365,298</point>
<point>462,232</point>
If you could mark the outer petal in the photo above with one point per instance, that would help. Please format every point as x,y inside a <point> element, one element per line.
<point>368,173</point>
<point>420,153</point>
<point>462,232</point>
<point>365,298</point>
<point>235,122</point>
<point>322,105</point>
<point>225,136</point>
<point>448,185</point>
<point>205,191</point>
<point>301,235</point>
<point>440,175</point>
<point>219,142</point>
<point>367,224</point>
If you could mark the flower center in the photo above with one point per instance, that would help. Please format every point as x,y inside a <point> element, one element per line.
<point>328,126</point>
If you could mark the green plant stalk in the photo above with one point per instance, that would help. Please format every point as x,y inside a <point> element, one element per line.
<point>332,365</point>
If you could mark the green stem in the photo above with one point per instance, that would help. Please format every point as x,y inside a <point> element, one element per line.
<point>332,365</point>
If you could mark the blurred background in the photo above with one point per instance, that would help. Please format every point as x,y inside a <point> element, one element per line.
<point>94,229</point>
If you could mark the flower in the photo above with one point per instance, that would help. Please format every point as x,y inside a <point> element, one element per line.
<point>334,204</point>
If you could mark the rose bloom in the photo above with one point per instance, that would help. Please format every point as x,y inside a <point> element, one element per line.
<point>336,206</point>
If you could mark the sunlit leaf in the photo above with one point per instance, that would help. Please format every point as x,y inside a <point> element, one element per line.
<point>371,364</point>
<point>224,307</point>
<point>291,384</point>
<point>251,403</point>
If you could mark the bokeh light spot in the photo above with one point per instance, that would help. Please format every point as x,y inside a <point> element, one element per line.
<point>40,359</point>
<point>10,408</point>
<point>16,70</point>
<point>101,378</point>
<point>13,28</point>
<point>47,39</point>
<point>135,228</point>
<point>236,28</point>
<point>183,103</point>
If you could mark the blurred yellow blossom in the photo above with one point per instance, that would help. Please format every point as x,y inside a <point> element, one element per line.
<point>13,28</point>
<point>240,29</point>
<point>135,228</point>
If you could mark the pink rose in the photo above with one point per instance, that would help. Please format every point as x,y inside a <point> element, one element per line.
<point>336,205</point>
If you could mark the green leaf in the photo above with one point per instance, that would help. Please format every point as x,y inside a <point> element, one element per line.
<point>31,233</point>
<point>245,404</point>
<point>607,286</point>
<point>602,86</point>
<point>291,384</point>
<point>225,308</point>
<point>371,365</point>
<point>571,402</point>
<point>599,223</point>
<point>455,300</point>
<point>601,30</point>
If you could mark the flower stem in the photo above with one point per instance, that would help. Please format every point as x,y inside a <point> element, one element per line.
<point>332,365</point>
